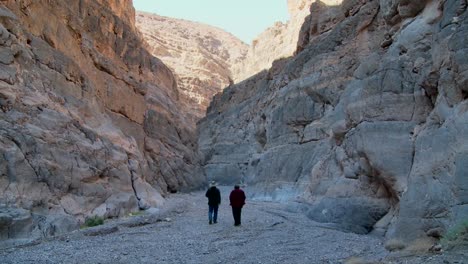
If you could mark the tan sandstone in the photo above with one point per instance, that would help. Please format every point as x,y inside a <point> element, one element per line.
<point>201,56</point>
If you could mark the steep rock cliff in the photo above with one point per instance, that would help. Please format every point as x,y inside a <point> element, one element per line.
<point>201,57</point>
<point>366,127</point>
<point>278,41</point>
<point>89,120</point>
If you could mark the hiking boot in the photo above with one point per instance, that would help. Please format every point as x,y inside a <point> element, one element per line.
<point>210,222</point>
<point>215,222</point>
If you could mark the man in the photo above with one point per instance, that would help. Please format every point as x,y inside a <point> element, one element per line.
<point>214,200</point>
<point>237,199</point>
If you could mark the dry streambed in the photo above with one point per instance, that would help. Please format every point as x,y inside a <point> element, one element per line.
<point>180,233</point>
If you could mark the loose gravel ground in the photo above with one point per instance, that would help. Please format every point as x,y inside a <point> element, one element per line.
<point>180,233</point>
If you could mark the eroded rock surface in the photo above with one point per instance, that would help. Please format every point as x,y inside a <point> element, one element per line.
<point>278,41</point>
<point>89,121</point>
<point>367,125</point>
<point>201,57</point>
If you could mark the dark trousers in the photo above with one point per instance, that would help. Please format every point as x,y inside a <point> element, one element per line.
<point>213,213</point>
<point>236,213</point>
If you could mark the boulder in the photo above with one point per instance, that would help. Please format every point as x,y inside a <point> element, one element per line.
<point>15,223</point>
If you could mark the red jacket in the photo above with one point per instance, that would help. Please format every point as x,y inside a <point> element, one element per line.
<point>237,198</point>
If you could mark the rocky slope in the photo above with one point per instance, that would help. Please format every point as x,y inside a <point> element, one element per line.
<point>201,57</point>
<point>367,126</point>
<point>89,120</point>
<point>278,41</point>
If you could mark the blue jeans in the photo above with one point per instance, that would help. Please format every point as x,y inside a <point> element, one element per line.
<point>213,213</point>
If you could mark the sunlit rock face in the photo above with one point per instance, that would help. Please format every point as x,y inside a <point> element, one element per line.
<point>90,122</point>
<point>201,57</point>
<point>366,126</point>
<point>278,41</point>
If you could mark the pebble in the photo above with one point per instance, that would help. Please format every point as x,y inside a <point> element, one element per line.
<point>189,239</point>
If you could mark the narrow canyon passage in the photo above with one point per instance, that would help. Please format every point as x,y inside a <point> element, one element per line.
<point>353,114</point>
<point>270,233</point>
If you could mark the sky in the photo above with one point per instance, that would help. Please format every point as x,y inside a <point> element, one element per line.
<point>243,18</point>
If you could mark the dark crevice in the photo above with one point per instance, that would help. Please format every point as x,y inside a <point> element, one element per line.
<point>430,86</point>
<point>388,193</point>
<point>18,145</point>
<point>171,189</point>
<point>261,137</point>
<point>132,179</point>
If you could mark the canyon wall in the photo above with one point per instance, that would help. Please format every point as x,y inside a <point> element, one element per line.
<point>278,41</point>
<point>366,127</point>
<point>201,56</point>
<point>90,122</point>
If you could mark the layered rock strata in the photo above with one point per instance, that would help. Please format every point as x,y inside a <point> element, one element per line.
<point>366,127</point>
<point>201,57</point>
<point>89,120</point>
<point>278,41</point>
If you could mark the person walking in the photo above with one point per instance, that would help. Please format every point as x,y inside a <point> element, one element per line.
<point>214,200</point>
<point>237,199</point>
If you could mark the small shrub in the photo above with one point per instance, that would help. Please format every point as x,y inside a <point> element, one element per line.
<point>93,221</point>
<point>456,235</point>
<point>136,213</point>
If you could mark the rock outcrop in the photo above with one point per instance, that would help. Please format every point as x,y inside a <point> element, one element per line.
<point>201,57</point>
<point>366,127</point>
<point>89,120</point>
<point>278,41</point>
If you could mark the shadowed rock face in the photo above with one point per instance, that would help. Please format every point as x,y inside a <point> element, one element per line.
<point>367,126</point>
<point>201,56</point>
<point>89,120</point>
<point>276,42</point>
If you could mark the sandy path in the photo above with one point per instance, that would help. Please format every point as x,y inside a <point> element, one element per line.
<point>269,234</point>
